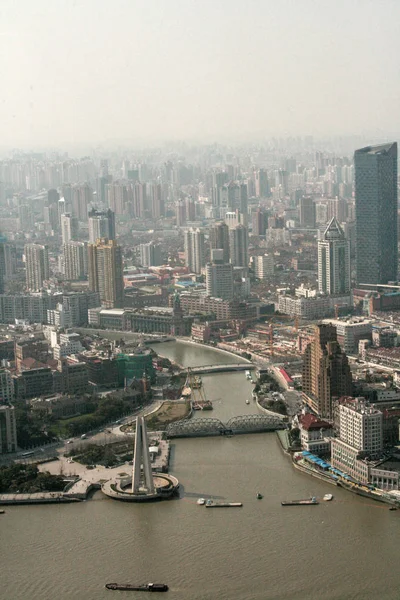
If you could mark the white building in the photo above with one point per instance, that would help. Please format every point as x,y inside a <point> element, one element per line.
<point>8,429</point>
<point>69,228</point>
<point>194,250</point>
<point>219,277</point>
<point>305,308</point>
<point>334,261</point>
<point>69,344</point>
<point>263,266</point>
<point>360,436</point>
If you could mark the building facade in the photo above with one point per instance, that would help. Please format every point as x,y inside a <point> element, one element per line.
<point>376,213</point>
<point>334,261</point>
<point>37,266</point>
<point>106,272</point>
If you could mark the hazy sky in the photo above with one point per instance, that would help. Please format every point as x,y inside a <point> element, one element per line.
<point>75,71</point>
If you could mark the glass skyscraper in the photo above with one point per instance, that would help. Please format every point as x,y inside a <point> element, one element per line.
<point>376,213</point>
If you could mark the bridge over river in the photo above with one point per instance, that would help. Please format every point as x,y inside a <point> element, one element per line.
<point>201,427</point>
<point>202,369</point>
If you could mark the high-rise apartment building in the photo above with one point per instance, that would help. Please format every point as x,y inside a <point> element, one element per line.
<point>238,246</point>
<point>82,197</point>
<point>219,276</point>
<point>150,254</point>
<point>37,266</point>
<point>106,272</point>
<point>376,213</point>
<point>8,429</point>
<point>219,239</point>
<point>259,222</point>
<point>101,225</point>
<point>334,261</point>
<point>69,228</point>
<point>326,371</point>
<point>75,261</point>
<point>194,250</point>
<point>8,263</point>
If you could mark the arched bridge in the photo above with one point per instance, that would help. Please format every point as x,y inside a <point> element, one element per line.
<point>221,368</point>
<point>206,427</point>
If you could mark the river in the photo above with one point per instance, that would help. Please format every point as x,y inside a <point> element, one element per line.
<point>344,549</point>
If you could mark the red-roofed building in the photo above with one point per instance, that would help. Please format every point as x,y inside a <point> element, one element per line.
<point>315,434</point>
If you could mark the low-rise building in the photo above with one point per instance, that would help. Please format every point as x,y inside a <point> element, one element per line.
<point>351,331</point>
<point>315,434</point>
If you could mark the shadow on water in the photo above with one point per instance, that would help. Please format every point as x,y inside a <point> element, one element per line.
<point>197,495</point>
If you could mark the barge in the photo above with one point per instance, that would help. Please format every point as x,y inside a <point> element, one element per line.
<point>145,587</point>
<point>211,504</point>
<point>307,502</point>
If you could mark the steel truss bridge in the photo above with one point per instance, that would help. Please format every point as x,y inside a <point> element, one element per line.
<point>200,427</point>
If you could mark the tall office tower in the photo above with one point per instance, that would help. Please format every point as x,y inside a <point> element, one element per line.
<point>51,216</point>
<point>106,272</point>
<point>326,371</point>
<point>219,239</point>
<point>337,207</point>
<point>75,261</point>
<point>150,254</point>
<point>282,181</point>
<point>82,197</point>
<point>219,277</point>
<point>139,200</point>
<point>156,201</point>
<point>334,261</point>
<point>69,228</point>
<point>101,225</point>
<point>259,222</point>
<point>194,250</point>
<point>37,266</point>
<point>263,266</point>
<point>307,212</point>
<point>376,213</point>
<point>8,428</point>
<point>261,183</point>
<point>238,246</point>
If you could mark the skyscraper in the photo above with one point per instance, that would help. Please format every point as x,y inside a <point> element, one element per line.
<point>219,277</point>
<point>75,261</point>
<point>194,250</point>
<point>69,228</point>
<point>37,265</point>
<point>106,272</point>
<point>334,260</point>
<point>101,225</point>
<point>238,246</point>
<point>326,371</point>
<point>376,213</point>
<point>150,254</point>
<point>219,239</point>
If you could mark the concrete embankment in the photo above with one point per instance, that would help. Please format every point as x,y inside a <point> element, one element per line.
<point>40,498</point>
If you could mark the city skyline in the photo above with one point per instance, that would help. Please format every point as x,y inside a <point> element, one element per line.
<point>140,72</point>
